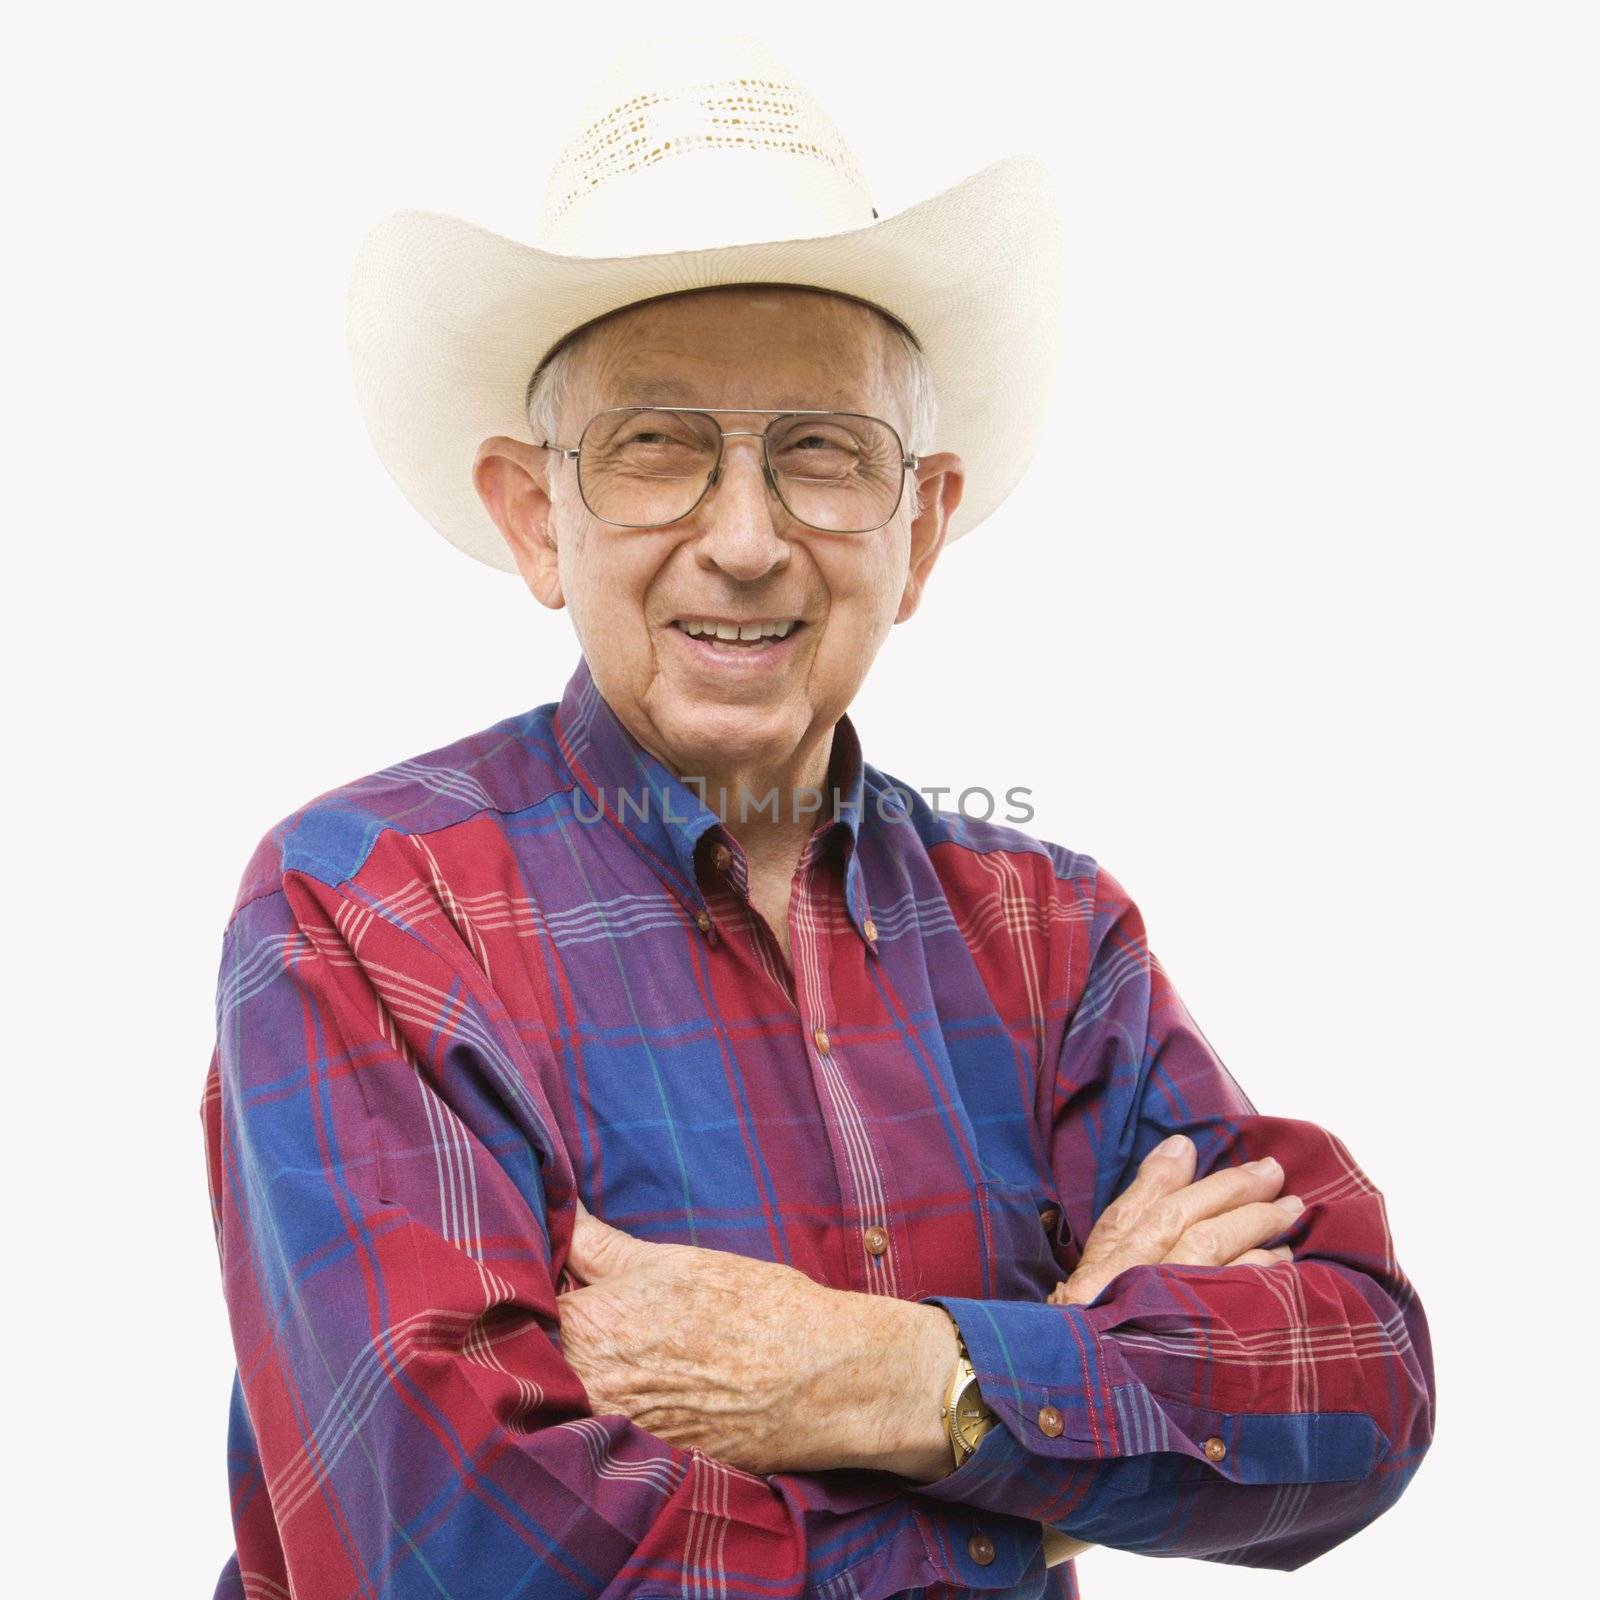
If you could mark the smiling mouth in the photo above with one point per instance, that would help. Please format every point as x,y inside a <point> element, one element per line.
<point>752,637</point>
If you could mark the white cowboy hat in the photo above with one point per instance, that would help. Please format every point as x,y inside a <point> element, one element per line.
<point>701,162</point>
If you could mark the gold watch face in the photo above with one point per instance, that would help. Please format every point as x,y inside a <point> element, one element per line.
<point>972,1417</point>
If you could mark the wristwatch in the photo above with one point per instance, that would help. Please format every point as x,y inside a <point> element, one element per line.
<point>966,1415</point>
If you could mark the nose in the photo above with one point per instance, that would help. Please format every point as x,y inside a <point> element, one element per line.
<point>736,523</point>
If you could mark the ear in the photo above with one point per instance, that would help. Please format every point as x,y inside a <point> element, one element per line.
<point>513,481</point>
<point>940,481</point>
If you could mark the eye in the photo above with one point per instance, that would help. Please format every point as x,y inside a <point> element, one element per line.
<point>651,430</point>
<point>659,445</point>
<point>822,450</point>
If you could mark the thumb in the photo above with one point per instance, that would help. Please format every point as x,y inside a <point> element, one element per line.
<point>597,1248</point>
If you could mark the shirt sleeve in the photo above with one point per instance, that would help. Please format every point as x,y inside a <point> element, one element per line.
<point>1256,1415</point>
<point>392,1213</point>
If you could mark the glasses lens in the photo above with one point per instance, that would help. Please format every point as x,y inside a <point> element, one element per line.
<point>838,472</point>
<point>644,468</point>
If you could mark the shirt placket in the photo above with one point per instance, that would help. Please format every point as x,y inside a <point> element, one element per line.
<point>876,1255</point>
<point>727,891</point>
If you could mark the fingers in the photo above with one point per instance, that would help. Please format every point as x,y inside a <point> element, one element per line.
<point>1165,1199</point>
<point>1154,1212</point>
<point>1217,1193</point>
<point>1163,1173</point>
<point>1215,1240</point>
<point>1165,1170</point>
<point>1262,1258</point>
<point>1166,1215</point>
<point>1072,1292</point>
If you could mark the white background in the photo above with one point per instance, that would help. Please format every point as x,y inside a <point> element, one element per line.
<point>1287,626</point>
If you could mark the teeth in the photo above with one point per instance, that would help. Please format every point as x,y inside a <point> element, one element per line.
<point>697,627</point>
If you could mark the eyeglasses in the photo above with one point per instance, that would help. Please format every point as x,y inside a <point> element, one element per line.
<point>650,466</point>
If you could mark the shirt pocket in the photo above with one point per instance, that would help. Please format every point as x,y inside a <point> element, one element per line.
<point>1022,1223</point>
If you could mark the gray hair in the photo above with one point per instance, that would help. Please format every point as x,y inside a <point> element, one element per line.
<point>551,383</point>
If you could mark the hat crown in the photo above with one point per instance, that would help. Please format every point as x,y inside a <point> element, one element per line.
<point>694,141</point>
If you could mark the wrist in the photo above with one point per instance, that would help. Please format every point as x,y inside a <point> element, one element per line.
<point>917,1441</point>
<point>888,1379</point>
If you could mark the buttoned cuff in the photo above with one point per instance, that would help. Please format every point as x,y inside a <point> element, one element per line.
<point>1057,1454</point>
<point>1078,1430</point>
<point>972,1548</point>
<point>1046,1373</point>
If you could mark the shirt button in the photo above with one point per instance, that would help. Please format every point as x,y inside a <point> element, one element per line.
<point>981,1548</point>
<point>876,1240</point>
<point>1215,1448</point>
<point>721,856</point>
<point>820,1037</point>
<point>870,928</point>
<point>1050,1216</point>
<point>1051,1421</point>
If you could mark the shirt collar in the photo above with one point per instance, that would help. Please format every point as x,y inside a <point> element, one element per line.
<point>665,818</point>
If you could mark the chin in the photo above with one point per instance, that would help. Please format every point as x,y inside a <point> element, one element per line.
<point>716,732</point>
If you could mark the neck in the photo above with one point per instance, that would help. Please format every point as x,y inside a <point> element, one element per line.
<point>771,808</point>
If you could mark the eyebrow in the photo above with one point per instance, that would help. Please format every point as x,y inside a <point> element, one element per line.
<point>635,387</point>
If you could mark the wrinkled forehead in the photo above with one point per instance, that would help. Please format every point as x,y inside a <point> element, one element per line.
<point>769,344</point>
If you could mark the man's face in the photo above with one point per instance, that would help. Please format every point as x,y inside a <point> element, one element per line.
<point>739,557</point>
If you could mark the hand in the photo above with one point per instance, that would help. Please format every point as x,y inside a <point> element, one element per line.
<point>1165,1216</point>
<point>748,1360</point>
<point>1059,1546</point>
<point>695,1345</point>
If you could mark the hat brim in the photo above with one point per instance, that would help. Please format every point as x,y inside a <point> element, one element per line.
<point>447,320</point>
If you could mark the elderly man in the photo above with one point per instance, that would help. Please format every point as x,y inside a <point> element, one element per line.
<point>937,1245</point>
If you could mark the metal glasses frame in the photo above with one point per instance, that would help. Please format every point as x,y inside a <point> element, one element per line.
<point>573,452</point>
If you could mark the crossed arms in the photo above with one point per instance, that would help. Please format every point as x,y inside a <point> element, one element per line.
<point>760,1366</point>
<point>412,1408</point>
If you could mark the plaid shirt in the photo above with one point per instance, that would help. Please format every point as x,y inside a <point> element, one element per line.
<point>459,993</point>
